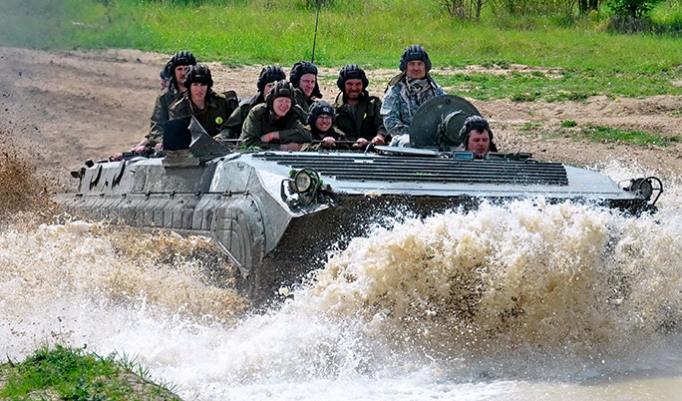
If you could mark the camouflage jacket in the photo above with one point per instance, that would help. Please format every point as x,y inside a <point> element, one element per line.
<point>261,121</point>
<point>234,124</point>
<point>402,100</point>
<point>362,121</point>
<point>160,114</point>
<point>212,118</point>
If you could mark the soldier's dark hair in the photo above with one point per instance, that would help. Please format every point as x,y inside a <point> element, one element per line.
<point>351,71</point>
<point>199,73</point>
<point>412,53</point>
<point>300,69</point>
<point>476,123</point>
<point>318,108</point>
<point>271,73</point>
<point>282,88</point>
<point>178,59</point>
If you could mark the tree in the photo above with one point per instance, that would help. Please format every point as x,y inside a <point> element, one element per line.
<point>586,6</point>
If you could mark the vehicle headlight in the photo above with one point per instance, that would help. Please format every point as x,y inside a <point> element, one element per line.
<point>302,181</point>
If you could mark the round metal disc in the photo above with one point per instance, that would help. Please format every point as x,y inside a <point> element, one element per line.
<point>425,125</point>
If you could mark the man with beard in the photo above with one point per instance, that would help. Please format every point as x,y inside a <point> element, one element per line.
<point>358,114</point>
<point>407,91</point>
<point>303,76</point>
<point>267,79</point>
<point>209,108</point>
<point>274,124</point>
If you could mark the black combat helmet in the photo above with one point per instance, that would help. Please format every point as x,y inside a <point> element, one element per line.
<point>479,124</point>
<point>352,71</point>
<point>271,73</point>
<point>412,53</point>
<point>300,69</point>
<point>180,58</point>
<point>282,88</point>
<point>199,73</point>
<point>318,108</point>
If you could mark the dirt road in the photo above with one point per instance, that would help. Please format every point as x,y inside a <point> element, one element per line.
<point>71,106</point>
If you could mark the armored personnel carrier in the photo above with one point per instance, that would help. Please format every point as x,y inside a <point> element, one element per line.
<point>275,214</point>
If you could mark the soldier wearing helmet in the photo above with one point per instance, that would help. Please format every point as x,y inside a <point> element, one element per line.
<point>406,92</point>
<point>321,125</point>
<point>274,124</point>
<point>477,137</point>
<point>209,108</point>
<point>174,71</point>
<point>303,76</point>
<point>357,113</point>
<point>267,79</point>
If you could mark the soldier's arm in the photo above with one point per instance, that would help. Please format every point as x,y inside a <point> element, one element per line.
<point>159,117</point>
<point>251,131</point>
<point>390,110</point>
<point>378,119</point>
<point>297,134</point>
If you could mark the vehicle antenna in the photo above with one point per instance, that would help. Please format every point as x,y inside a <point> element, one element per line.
<point>317,18</point>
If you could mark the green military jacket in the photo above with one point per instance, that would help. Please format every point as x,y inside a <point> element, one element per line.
<point>160,113</point>
<point>261,121</point>
<point>362,121</point>
<point>234,124</point>
<point>212,118</point>
<point>318,136</point>
<point>302,105</point>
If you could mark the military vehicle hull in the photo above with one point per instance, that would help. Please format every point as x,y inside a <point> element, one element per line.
<point>252,205</point>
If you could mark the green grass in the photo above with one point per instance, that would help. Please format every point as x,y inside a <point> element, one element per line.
<point>75,375</point>
<point>373,34</point>
<point>640,138</point>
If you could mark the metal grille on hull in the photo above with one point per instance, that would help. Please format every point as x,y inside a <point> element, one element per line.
<point>373,168</point>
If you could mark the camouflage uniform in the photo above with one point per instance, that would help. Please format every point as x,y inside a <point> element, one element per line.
<point>361,121</point>
<point>402,101</point>
<point>404,96</point>
<point>212,118</point>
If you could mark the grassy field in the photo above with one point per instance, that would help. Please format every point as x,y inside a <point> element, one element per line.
<point>588,60</point>
<point>72,374</point>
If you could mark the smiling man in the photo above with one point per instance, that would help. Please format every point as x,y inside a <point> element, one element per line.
<point>358,114</point>
<point>406,92</point>
<point>274,124</point>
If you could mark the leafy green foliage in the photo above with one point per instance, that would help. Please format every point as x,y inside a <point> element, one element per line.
<point>631,8</point>
<point>568,123</point>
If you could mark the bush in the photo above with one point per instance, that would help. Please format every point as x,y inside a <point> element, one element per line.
<point>631,9</point>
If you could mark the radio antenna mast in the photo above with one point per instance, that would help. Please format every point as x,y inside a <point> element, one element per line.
<point>317,19</point>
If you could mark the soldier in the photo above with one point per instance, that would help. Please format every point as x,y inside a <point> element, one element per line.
<point>210,109</point>
<point>177,66</point>
<point>275,124</point>
<point>406,92</point>
<point>357,113</point>
<point>267,79</point>
<point>321,125</point>
<point>303,77</point>
<point>477,137</point>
